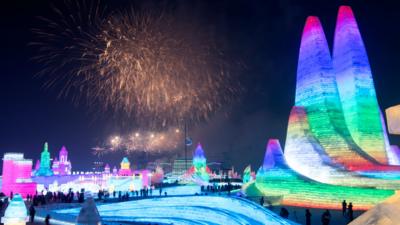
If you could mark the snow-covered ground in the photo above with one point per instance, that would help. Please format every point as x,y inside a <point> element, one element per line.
<point>185,210</point>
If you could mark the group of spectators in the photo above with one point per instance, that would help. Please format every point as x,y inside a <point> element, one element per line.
<point>219,188</point>
<point>127,195</point>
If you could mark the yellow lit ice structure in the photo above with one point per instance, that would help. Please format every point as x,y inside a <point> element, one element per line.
<point>393,119</point>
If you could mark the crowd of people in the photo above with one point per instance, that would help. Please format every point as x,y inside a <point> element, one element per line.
<point>44,198</point>
<point>220,188</point>
<point>127,195</point>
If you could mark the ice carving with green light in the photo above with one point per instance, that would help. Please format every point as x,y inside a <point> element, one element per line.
<point>276,179</point>
<point>45,168</point>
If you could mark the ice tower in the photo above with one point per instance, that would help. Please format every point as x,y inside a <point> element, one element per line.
<point>125,169</point>
<point>200,163</point>
<point>319,134</point>
<point>337,143</point>
<point>199,172</point>
<point>63,165</point>
<point>44,169</point>
<point>317,93</point>
<point>356,87</point>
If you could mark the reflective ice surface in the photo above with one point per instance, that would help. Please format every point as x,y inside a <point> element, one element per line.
<point>187,210</point>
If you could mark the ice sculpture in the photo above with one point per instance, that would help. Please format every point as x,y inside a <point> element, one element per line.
<point>275,179</point>
<point>385,213</point>
<point>63,165</point>
<point>89,215</point>
<point>356,86</point>
<point>44,169</point>
<point>336,143</point>
<point>393,119</point>
<point>16,213</point>
<point>199,172</point>
<point>125,168</point>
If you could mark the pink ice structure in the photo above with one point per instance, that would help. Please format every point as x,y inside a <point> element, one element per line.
<point>17,173</point>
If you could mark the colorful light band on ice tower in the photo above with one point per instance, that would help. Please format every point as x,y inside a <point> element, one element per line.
<point>276,180</point>
<point>317,92</point>
<point>305,155</point>
<point>356,86</point>
<point>200,164</point>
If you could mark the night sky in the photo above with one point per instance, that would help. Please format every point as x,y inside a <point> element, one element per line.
<point>265,35</point>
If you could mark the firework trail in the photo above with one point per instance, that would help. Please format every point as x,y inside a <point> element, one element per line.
<point>149,65</point>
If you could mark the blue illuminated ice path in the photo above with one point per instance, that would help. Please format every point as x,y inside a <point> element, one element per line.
<point>187,210</point>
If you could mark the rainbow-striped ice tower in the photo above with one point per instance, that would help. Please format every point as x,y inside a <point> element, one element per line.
<point>337,145</point>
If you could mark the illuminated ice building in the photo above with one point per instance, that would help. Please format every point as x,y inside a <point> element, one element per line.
<point>63,165</point>
<point>58,175</point>
<point>336,143</point>
<point>17,175</point>
<point>44,168</point>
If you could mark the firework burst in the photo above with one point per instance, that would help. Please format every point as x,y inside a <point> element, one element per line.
<point>146,64</point>
<point>142,141</point>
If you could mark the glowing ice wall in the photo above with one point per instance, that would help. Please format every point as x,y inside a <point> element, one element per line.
<point>17,175</point>
<point>356,86</point>
<point>393,119</point>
